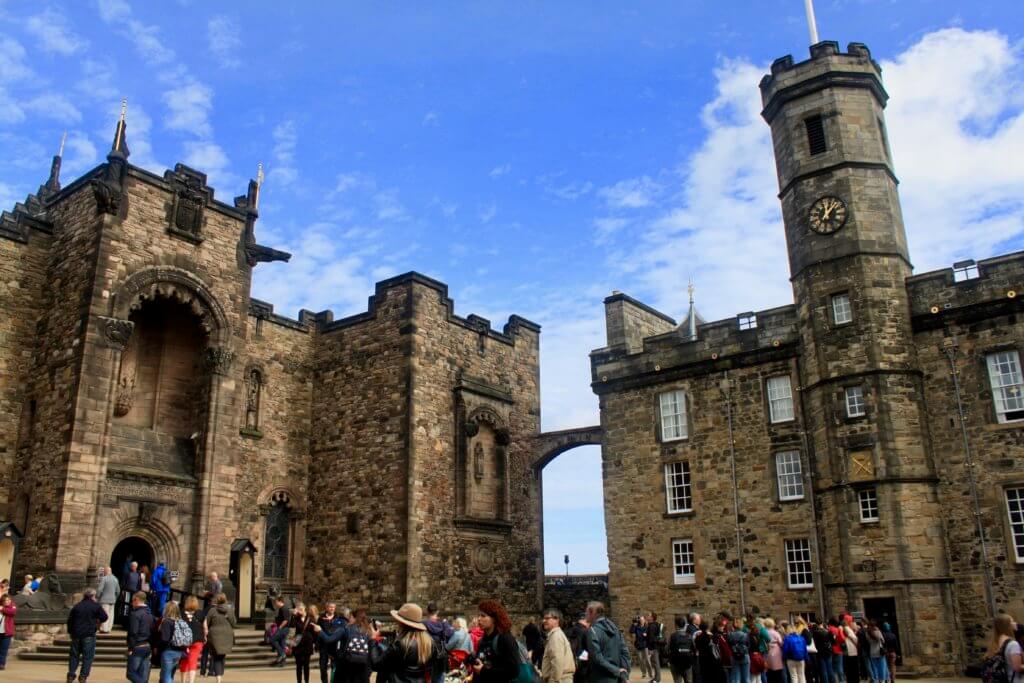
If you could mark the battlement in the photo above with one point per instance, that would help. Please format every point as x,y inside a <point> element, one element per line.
<point>748,338</point>
<point>984,287</point>
<point>827,67</point>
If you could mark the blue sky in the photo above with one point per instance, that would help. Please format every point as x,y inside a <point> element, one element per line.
<point>533,155</point>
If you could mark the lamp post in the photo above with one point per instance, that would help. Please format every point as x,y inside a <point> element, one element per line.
<point>566,567</point>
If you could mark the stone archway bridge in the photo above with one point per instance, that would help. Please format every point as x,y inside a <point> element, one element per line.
<point>549,445</point>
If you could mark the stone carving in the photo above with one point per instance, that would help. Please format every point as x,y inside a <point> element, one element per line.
<point>108,197</point>
<point>125,396</point>
<point>218,360</point>
<point>147,511</point>
<point>50,596</point>
<point>254,388</point>
<point>191,195</point>
<point>483,558</point>
<point>478,462</point>
<point>116,333</point>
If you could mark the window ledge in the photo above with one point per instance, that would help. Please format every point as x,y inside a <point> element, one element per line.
<point>801,588</point>
<point>251,433</point>
<point>676,439</point>
<point>1003,426</point>
<point>782,422</point>
<point>684,586</point>
<point>681,513</point>
<point>801,499</point>
<point>870,522</point>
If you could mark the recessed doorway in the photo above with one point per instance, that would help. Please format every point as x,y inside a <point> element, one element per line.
<point>131,549</point>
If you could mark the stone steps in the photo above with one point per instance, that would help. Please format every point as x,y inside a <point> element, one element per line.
<point>249,651</point>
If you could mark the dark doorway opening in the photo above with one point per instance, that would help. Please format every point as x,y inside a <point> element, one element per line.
<point>131,549</point>
<point>883,611</point>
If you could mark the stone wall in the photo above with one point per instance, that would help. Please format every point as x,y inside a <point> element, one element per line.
<point>571,596</point>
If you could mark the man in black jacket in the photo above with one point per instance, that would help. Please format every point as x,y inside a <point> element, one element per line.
<point>140,628</point>
<point>577,635</point>
<point>84,619</point>
<point>655,639</point>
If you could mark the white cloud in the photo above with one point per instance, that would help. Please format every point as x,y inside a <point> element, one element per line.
<point>956,127</point>
<point>10,110</point>
<point>286,137</point>
<point>488,212</point>
<point>12,61</point>
<point>8,197</point>
<point>431,118</point>
<point>223,38</point>
<point>206,156</point>
<point>634,193</point>
<point>54,106</point>
<point>80,154</point>
<point>98,80</point>
<point>608,226</point>
<point>353,180</point>
<point>501,170</point>
<point>113,10</point>
<point>569,192</point>
<point>189,108</point>
<point>53,34</point>
<point>389,208</point>
<point>148,43</point>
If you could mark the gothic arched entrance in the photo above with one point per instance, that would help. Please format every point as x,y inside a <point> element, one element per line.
<point>131,549</point>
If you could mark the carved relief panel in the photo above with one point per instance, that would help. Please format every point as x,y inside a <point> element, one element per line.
<point>482,463</point>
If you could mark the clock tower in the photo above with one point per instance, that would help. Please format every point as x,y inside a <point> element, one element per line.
<point>880,531</point>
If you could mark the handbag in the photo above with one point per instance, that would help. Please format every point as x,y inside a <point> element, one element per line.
<point>812,648</point>
<point>757,663</point>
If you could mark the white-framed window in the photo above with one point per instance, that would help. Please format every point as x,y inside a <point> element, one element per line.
<point>855,406</point>
<point>677,487</point>
<point>780,398</point>
<point>790,476</point>
<point>842,312</point>
<point>1015,508</point>
<point>868,500</point>
<point>684,567</point>
<point>672,406</point>
<point>1007,385</point>
<point>747,321</point>
<point>798,563</point>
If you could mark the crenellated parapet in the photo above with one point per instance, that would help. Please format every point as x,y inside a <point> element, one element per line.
<point>968,290</point>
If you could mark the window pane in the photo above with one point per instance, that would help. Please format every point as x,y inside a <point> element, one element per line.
<point>275,559</point>
<point>791,481</point>
<point>855,401</point>
<point>868,499</point>
<point>798,563</point>
<point>780,399</point>
<point>683,563</point>
<point>1005,378</point>
<point>1015,508</point>
<point>841,311</point>
<point>677,487</point>
<point>673,415</point>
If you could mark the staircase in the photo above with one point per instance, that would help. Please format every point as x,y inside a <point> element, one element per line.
<point>249,651</point>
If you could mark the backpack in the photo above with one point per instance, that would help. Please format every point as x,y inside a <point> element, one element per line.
<point>721,650</point>
<point>524,672</point>
<point>794,648</point>
<point>993,669</point>
<point>680,644</point>
<point>357,649</point>
<point>182,636</point>
<point>828,640</point>
<point>738,643</point>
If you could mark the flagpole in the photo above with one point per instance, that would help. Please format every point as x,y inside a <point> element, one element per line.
<point>812,25</point>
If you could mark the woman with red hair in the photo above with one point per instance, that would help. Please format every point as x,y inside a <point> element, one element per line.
<point>498,653</point>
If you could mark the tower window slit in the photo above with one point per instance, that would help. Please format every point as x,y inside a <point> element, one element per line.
<point>816,134</point>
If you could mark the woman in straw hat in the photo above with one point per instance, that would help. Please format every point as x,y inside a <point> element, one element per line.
<point>412,655</point>
<point>498,660</point>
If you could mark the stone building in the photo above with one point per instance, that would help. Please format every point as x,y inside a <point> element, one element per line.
<point>150,407</point>
<point>861,449</point>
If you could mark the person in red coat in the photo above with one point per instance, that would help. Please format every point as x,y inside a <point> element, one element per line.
<point>7,612</point>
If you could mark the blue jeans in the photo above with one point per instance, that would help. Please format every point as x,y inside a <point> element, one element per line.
<point>277,641</point>
<point>169,664</point>
<point>82,650</point>
<point>879,669</point>
<point>740,671</point>
<point>838,672</point>
<point>5,645</point>
<point>138,664</point>
<point>825,664</point>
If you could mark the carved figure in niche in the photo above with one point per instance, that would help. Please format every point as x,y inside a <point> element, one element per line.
<point>126,378</point>
<point>478,462</point>
<point>254,389</point>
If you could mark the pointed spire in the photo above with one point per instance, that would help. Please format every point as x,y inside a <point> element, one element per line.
<point>259,185</point>
<point>120,146</point>
<point>53,182</point>
<point>689,326</point>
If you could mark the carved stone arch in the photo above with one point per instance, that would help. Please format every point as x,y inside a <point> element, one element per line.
<point>487,415</point>
<point>271,494</point>
<point>180,285</point>
<point>281,513</point>
<point>163,535</point>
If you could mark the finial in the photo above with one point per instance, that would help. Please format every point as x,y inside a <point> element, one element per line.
<point>689,290</point>
<point>259,185</point>
<point>124,108</point>
<point>812,25</point>
<point>119,133</point>
<point>63,139</point>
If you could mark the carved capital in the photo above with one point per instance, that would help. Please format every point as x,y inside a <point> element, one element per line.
<point>472,429</point>
<point>116,332</point>
<point>218,359</point>
<point>108,196</point>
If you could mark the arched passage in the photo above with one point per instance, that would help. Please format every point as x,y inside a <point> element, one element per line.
<point>572,508</point>
<point>131,549</point>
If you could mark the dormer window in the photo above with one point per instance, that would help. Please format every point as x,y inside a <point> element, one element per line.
<point>816,135</point>
<point>747,321</point>
<point>965,270</point>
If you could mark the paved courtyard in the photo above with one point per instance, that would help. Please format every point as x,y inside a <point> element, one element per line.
<point>40,672</point>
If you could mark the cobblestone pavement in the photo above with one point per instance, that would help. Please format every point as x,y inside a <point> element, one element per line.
<point>45,672</point>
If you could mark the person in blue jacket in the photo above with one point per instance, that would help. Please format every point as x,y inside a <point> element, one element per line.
<point>161,586</point>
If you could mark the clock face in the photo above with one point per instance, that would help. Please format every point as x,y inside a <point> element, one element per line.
<point>827,215</point>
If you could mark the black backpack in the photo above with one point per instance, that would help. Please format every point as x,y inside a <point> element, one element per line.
<point>680,644</point>
<point>357,649</point>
